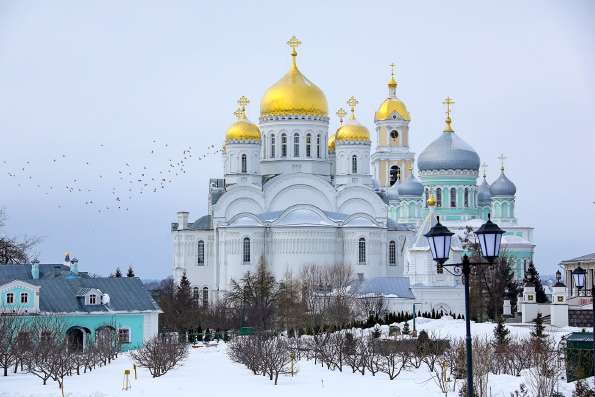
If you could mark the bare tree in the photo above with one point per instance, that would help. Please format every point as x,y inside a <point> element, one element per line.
<point>10,326</point>
<point>159,355</point>
<point>543,376</point>
<point>13,250</point>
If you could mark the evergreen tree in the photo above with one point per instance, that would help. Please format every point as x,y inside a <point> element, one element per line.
<point>501,333</point>
<point>118,273</point>
<point>533,275</point>
<point>130,272</point>
<point>376,333</point>
<point>539,327</point>
<point>406,328</point>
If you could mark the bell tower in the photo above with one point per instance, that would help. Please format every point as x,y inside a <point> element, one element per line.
<point>392,158</point>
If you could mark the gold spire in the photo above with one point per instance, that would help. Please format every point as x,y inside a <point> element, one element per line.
<point>502,158</point>
<point>352,102</point>
<point>341,113</point>
<point>448,101</point>
<point>484,167</point>
<point>241,112</point>
<point>392,83</point>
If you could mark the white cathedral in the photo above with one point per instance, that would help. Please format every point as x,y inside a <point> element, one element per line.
<point>294,194</point>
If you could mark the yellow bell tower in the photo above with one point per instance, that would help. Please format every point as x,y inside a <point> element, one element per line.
<point>392,159</point>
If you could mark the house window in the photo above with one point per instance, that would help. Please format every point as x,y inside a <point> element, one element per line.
<point>453,197</point>
<point>362,250</point>
<point>318,145</point>
<point>10,298</point>
<point>24,297</point>
<point>205,297</point>
<point>246,250</point>
<point>92,299</point>
<point>283,145</point>
<point>354,164</point>
<point>296,145</point>
<point>244,164</point>
<point>201,252</point>
<point>272,146</point>
<point>123,335</point>
<point>466,197</point>
<point>392,253</point>
<point>195,294</point>
<point>308,144</point>
<point>395,174</point>
<point>438,197</point>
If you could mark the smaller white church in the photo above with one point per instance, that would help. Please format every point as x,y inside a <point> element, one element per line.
<point>295,193</point>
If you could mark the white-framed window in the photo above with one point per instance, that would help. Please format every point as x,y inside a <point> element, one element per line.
<point>92,299</point>
<point>362,250</point>
<point>205,296</point>
<point>10,298</point>
<point>354,164</point>
<point>438,197</point>
<point>466,198</point>
<point>318,145</point>
<point>124,335</point>
<point>244,164</point>
<point>296,145</point>
<point>283,145</point>
<point>453,197</point>
<point>272,146</point>
<point>195,294</point>
<point>392,253</point>
<point>308,145</point>
<point>246,250</point>
<point>201,253</point>
<point>24,297</point>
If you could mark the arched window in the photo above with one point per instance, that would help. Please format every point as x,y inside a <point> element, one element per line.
<point>395,174</point>
<point>201,253</point>
<point>394,135</point>
<point>392,253</point>
<point>354,164</point>
<point>296,145</point>
<point>318,145</point>
<point>453,197</point>
<point>439,197</point>
<point>466,198</point>
<point>362,250</point>
<point>246,250</point>
<point>308,144</point>
<point>10,298</point>
<point>272,146</point>
<point>244,164</point>
<point>283,145</point>
<point>24,297</point>
<point>195,294</point>
<point>205,297</point>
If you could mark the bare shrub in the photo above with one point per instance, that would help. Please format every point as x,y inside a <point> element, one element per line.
<point>160,355</point>
<point>542,377</point>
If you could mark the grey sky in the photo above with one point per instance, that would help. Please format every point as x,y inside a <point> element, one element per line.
<point>77,75</point>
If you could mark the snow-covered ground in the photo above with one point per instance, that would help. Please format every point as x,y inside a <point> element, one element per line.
<point>208,371</point>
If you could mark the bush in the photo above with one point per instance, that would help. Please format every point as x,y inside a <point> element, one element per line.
<point>159,355</point>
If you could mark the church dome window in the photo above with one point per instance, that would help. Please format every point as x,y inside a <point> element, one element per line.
<point>308,145</point>
<point>453,197</point>
<point>318,146</point>
<point>272,146</point>
<point>362,251</point>
<point>244,164</point>
<point>283,145</point>
<point>466,198</point>
<point>296,145</point>
<point>354,164</point>
<point>439,197</point>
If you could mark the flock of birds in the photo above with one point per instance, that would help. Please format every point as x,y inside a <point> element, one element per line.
<point>89,182</point>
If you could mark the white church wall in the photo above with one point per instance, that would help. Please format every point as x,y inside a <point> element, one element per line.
<point>353,199</point>
<point>284,191</point>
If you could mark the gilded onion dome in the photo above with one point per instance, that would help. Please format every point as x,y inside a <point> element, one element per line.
<point>352,130</point>
<point>294,93</point>
<point>392,104</point>
<point>242,129</point>
<point>331,143</point>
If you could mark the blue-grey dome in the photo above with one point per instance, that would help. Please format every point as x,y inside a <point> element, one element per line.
<point>392,192</point>
<point>448,152</point>
<point>411,187</point>
<point>484,196</point>
<point>503,186</point>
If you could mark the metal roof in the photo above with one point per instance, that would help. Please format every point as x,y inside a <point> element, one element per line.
<point>385,286</point>
<point>584,258</point>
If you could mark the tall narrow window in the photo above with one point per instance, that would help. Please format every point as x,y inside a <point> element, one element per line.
<point>308,144</point>
<point>453,197</point>
<point>466,198</point>
<point>201,253</point>
<point>427,195</point>
<point>10,298</point>
<point>395,174</point>
<point>354,164</point>
<point>362,250</point>
<point>205,297</point>
<point>272,146</point>
<point>392,253</point>
<point>283,145</point>
<point>244,164</point>
<point>296,145</point>
<point>195,294</point>
<point>264,146</point>
<point>246,250</point>
<point>438,197</point>
<point>318,145</point>
<point>24,297</point>
<point>92,299</point>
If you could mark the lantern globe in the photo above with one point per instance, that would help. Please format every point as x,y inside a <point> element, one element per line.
<point>439,239</point>
<point>578,275</point>
<point>490,238</point>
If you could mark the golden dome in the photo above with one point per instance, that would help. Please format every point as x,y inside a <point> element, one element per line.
<point>331,143</point>
<point>392,104</point>
<point>242,129</point>
<point>431,201</point>
<point>352,130</point>
<point>294,93</point>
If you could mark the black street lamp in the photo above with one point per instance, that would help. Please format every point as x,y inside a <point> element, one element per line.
<point>439,239</point>
<point>578,275</point>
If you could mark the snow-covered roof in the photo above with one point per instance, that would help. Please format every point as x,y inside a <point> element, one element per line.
<point>387,286</point>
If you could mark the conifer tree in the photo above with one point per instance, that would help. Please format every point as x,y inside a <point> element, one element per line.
<point>130,272</point>
<point>501,333</point>
<point>118,273</point>
<point>406,328</point>
<point>539,327</point>
<point>533,275</point>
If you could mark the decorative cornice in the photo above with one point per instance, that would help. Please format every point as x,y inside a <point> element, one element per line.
<point>471,173</point>
<point>289,117</point>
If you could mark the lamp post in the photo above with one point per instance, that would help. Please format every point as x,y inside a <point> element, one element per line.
<point>578,275</point>
<point>439,239</point>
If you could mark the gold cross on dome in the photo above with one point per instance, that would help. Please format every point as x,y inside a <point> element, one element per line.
<point>341,113</point>
<point>392,70</point>
<point>294,43</point>
<point>243,101</point>
<point>352,102</point>
<point>448,101</point>
<point>502,158</point>
<point>484,167</point>
<point>239,113</point>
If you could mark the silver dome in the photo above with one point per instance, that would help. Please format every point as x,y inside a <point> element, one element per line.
<point>484,196</point>
<point>448,152</point>
<point>411,187</point>
<point>502,186</point>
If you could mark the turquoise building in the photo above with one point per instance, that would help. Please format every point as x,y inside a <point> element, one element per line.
<point>86,306</point>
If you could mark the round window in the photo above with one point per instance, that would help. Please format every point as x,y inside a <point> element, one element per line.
<point>394,134</point>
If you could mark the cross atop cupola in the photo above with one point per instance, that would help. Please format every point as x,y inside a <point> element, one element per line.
<point>502,158</point>
<point>352,102</point>
<point>341,113</point>
<point>294,43</point>
<point>484,167</point>
<point>448,101</point>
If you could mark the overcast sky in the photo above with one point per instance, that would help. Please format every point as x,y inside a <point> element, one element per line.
<point>112,82</point>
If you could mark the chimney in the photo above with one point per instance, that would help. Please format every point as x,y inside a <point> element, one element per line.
<point>74,266</point>
<point>66,258</point>
<point>182,220</point>
<point>35,269</point>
